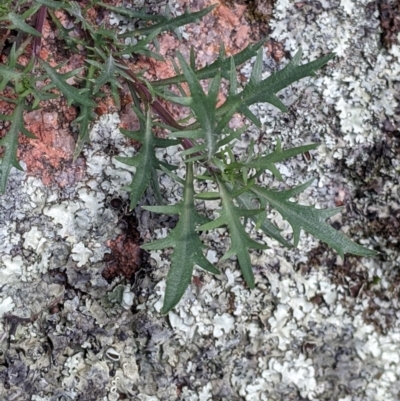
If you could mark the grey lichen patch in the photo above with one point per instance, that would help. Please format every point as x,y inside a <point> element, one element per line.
<point>309,306</point>
<point>54,329</point>
<point>315,327</point>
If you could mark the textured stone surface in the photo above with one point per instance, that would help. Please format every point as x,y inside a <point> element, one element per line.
<point>314,328</point>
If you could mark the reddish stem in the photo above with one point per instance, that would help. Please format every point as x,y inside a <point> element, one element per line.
<point>40,19</point>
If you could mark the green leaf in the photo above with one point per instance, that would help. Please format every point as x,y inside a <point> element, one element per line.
<point>192,134</point>
<point>140,47</point>
<point>19,23</point>
<point>145,162</point>
<point>86,116</point>
<point>8,74</point>
<point>265,91</point>
<point>310,219</point>
<point>170,24</point>
<point>194,149</point>
<point>203,106</point>
<point>56,5</point>
<point>192,59</point>
<point>278,155</point>
<point>186,243</point>
<point>256,72</point>
<point>232,135</point>
<point>240,241</point>
<point>245,201</point>
<point>232,77</point>
<point>119,68</point>
<point>208,196</point>
<point>186,101</point>
<point>84,119</point>
<point>10,143</point>
<point>73,95</point>
<point>100,34</point>
<point>164,209</point>
<point>130,13</point>
<point>158,142</point>
<point>172,175</point>
<point>107,75</point>
<point>73,8</point>
<point>222,64</point>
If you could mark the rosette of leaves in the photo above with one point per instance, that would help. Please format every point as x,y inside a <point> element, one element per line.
<point>208,144</point>
<point>104,67</point>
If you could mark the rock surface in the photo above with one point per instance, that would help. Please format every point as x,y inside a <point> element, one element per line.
<point>315,327</point>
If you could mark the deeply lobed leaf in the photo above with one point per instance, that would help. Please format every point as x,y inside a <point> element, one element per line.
<point>169,24</point>
<point>73,95</point>
<point>265,91</point>
<point>145,162</point>
<point>310,219</point>
<point>267,162</point>
<point>203,106</point>
<point>240,240</point>
<point>10,143</point>
<point>186,243</point>
<point>222,65</point>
